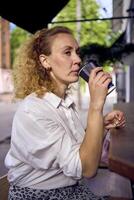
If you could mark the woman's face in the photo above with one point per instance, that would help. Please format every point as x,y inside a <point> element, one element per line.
<point>64,59</point>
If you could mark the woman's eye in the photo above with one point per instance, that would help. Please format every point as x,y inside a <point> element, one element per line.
<point>78,52</point>
<point>68,53</point>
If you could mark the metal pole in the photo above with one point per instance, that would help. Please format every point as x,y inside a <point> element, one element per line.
<point>78,27</point>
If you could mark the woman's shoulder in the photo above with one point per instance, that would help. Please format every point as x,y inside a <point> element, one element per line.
<point>36,105</point>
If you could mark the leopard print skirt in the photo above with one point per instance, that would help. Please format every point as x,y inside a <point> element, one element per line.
<point>75,192</point>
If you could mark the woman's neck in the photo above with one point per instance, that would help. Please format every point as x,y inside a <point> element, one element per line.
<point>61,91</point>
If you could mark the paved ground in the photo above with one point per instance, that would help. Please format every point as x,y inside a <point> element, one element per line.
<point>6,115</point>
<point>7,111</point>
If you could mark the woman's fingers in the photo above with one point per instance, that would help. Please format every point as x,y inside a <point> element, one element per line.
<point>120,118</point>
<point>121,124</point>
<point>99,77</point>
<point>94,72</point>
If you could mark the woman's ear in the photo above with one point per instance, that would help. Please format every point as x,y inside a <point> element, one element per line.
<point>44,61</point>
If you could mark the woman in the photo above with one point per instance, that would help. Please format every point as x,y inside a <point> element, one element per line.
<point>50,151</point>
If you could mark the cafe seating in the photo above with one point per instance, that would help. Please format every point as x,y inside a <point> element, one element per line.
<point>4,187</point>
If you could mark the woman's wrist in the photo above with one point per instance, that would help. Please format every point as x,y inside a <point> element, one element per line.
<point>98,107</point>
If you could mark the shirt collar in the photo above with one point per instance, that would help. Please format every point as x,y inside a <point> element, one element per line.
<point>57,101</point>
<point>67,102</point>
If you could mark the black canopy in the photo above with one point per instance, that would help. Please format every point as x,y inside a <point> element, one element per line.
<point>31,15</point>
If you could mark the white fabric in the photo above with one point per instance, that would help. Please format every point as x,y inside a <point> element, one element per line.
<point>46,137</point>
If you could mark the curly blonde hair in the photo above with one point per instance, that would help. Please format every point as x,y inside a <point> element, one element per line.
<point>28,73</point>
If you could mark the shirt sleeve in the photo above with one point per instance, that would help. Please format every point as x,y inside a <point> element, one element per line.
<point>44,144</point>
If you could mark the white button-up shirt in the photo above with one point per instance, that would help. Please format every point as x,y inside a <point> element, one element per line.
<point>45,142</point>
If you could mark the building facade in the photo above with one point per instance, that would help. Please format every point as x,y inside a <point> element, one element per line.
<point>4,44</point>
<point>125,78</point>
<point>6,85</point>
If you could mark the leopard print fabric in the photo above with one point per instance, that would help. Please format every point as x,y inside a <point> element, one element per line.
<point>75,192</point>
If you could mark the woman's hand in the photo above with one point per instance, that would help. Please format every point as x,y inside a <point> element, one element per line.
<point>98,87</point>
<point>114,119</point>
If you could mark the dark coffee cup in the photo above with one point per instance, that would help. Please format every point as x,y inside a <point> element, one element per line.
<point>85,73</point>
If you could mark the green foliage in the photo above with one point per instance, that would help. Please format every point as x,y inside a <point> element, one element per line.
<point>18,36</point>
<point>91,31</point>
<point>107,67</point>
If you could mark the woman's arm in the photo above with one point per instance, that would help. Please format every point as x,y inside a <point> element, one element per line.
<point>91,147</point>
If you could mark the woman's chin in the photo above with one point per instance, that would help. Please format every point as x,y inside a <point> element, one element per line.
<point>74,79</point>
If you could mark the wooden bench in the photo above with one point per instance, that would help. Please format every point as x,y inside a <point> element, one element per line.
<point>121,154</point>
<point>4,187</point>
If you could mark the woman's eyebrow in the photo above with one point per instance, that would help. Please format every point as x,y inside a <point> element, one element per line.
<point>70,47</point>
<point>67,47</point>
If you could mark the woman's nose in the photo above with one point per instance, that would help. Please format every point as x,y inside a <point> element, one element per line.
<point>77,58</point>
